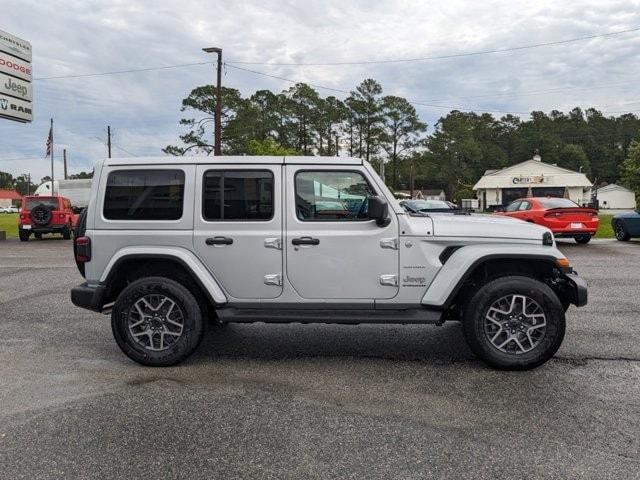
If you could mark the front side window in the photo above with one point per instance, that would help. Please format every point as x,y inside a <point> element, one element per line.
<point>524,206</point>
<point>237,195</point>
<point>144,195</point>
<point>332,195</point>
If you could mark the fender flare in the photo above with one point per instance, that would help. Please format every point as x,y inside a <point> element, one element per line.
<point>461,264</point>
<point>188,260</point>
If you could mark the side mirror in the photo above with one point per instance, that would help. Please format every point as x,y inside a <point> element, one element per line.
<point>379,211</point>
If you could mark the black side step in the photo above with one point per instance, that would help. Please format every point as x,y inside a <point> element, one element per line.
<point>269,315</point>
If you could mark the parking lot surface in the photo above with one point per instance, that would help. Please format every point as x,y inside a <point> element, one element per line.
<point>314,401</point>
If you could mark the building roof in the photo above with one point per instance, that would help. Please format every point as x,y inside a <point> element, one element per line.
<point>533,173</point>
<point>611,187</point>
<point>6,194</point>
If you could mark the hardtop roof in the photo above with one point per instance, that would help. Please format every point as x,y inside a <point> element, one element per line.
<point>238,160</point>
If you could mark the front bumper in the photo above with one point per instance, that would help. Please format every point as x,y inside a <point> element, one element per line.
<point>576,289</point>
<point>86,296</point>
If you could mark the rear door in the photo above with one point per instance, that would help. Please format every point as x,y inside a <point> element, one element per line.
<point>238,227</point>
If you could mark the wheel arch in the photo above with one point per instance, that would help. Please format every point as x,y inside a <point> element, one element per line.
<point>129,266</point>
<point>455,282</point>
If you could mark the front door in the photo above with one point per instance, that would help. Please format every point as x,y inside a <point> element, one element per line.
<point>238,228</point>
<point>334,251</point>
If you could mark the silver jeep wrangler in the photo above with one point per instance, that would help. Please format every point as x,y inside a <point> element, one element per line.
<point>169,243</point>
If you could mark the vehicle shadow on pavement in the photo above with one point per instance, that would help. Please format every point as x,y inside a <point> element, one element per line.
<point>426,343</point>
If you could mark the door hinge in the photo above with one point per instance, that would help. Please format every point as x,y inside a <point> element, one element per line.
<point>389,280</point>
<point>273,242</point>
<point>391,243</point>
<point>273,279</point>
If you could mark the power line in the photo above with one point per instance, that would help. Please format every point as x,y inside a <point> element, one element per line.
<point>364,62</point>
<point>116,72</point>
<point>441,57</point>
<point>422,104</point>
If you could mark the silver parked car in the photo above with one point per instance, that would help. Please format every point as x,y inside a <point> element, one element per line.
<point>166,244</point>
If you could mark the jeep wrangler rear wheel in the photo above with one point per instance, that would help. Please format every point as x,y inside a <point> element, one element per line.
<point>66,232</point>
<point>514,323</point>
<point>24,235</point>
<point>157,322</point>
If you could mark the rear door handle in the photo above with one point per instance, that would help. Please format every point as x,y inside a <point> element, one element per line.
<point>219,241</point>
<point>305,241</point>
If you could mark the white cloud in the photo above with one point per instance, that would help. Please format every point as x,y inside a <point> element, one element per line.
<point>75,37</point>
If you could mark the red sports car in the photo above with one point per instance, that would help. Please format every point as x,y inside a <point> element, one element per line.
<point>562,216</point>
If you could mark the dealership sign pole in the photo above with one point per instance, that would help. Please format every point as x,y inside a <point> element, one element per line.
<point>16,93</point>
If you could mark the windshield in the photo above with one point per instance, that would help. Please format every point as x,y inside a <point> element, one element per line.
<point>423,205</point>
<point>46,201</point>
<point>557,203</point>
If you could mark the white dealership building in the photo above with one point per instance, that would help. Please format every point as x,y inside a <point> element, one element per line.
<point>531,178</point>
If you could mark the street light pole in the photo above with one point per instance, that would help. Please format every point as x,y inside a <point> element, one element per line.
<point>217,146</point>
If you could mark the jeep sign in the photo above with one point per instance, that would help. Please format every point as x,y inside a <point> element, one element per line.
<point>15,87</point>
<point>16,92</point>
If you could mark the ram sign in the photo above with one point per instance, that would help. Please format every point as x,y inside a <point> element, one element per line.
<point>16,95</point>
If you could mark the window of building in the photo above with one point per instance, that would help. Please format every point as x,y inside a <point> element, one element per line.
<point>144,195</point>
<point>237,195</point>
<point>338,195</point>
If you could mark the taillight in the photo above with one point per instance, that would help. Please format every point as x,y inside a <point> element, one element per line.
<point>553,214</point>
<point>83,249</point>
<point>61,215</point>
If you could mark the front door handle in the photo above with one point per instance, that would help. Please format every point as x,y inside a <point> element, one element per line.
<point>305,241</point>
<point>219,241</point>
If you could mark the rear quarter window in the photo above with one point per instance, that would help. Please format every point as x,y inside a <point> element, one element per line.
<point>144,195</point>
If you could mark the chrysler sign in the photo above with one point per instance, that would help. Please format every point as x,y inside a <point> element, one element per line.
<point>16,92</point>
<point>15,46</point>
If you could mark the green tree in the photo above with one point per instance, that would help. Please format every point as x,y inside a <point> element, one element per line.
<point>630,170</point>
<point>402,131</point>
<point>366,105</point>
<point>574,158</point>
<point>268,146</point>
<point>6,180</point>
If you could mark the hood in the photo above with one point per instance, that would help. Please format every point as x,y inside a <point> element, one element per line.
<point>481,226</point>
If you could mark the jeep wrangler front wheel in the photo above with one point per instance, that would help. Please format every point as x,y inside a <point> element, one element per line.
<point>157,322</point>
<point>514,323</point>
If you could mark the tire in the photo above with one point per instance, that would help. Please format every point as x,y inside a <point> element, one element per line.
<point>621,232</point>
<point>479,331</point>
<point>582,239</point>
<point>125,315</point>
<point>66,233</point>
<point>41,215</point>
<point>38,236</point>
<point>24,235</point>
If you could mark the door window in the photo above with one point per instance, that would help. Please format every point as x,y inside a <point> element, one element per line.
<point>237,195</point>
<point>513,206</point>
<point>338,195</point>
<point>144,195</point>
<point>524,206</point>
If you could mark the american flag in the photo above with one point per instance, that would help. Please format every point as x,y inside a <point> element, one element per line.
<point>49,142</point>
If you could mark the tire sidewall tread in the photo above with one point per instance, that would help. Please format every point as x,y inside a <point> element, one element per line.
<point>193,322</point>
<point>475,311</point>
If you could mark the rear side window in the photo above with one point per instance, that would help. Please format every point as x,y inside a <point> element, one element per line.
<point>144,195</point>
<point>237,195</point>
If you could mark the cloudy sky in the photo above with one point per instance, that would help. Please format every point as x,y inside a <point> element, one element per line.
<point>93,36</point>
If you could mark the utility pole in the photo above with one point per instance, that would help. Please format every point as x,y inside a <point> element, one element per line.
<point>29,183</point>
<point>217,145</point>
<point>64,159</point>
<point>337,146</point>
<point>108,141</point>
<point>53,191</point>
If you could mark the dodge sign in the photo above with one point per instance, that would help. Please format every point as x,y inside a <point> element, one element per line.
<point>16,95</point>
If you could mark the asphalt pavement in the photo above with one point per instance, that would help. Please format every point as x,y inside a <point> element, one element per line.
<point>314,401</point>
